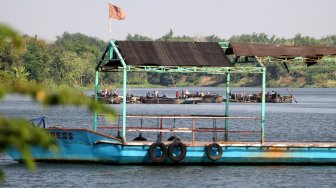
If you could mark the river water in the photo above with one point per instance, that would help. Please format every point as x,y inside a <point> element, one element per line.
<point>313,118</point>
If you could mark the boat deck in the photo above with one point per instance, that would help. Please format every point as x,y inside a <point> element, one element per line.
<point>247,144</point>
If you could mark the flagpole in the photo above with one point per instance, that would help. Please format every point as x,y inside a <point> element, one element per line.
<point>109,28</point>
<point>109,23</point>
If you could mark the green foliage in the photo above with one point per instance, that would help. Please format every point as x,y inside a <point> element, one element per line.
<point>8,35</point>
<point>169,37</point>
<point>9,56</point>
<point>79,43</point>
<point>70,60</point>
<point>275,70</point>
<point>214,38</point>
<point>192,78</point>
<point>320,78</point>
<point>20,73</point>
<point>137,37</point>
<point>36,59</point>
<point>255,37</point>
<point>137,78</point>
<point>165,79</point>
<point>72,66</point>
<point>154,78</point>
<point>305,40</point>
<point>74,57</point>
<point>19,134</point>
<point>329,40</point>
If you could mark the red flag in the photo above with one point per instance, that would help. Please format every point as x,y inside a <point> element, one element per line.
<point>116,12</point>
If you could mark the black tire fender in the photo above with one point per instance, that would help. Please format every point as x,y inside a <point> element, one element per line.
<point>173,138</point>
<point>140,138</point>
<point>212,146</point>
<point>179,145</point>
<point>153,157</point>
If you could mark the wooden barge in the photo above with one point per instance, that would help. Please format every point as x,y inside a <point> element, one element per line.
<point>165,100</point>
<point>256,98</point>
<point>195,99</point>
<point>188,57</point>
<point>192,99</point>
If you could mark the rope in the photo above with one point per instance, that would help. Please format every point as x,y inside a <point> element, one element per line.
<point>158,126</point>
<point>174,126</point>
<point>174,123</point>
<point>118,126</point>
<point>140,127</point>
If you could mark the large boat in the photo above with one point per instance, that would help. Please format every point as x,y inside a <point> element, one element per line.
<point>187,57</point>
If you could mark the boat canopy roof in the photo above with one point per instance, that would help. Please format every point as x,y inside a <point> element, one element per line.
<point>144,55</point>
<point>278,51</point>
<point>159,53</point>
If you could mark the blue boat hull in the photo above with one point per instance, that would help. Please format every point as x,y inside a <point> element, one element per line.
<point>81,145</point>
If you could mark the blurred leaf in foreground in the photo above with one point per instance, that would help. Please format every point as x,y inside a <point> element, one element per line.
<point>21,135</point>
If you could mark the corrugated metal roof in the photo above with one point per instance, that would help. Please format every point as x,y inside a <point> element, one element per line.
<point>273,50</point>
<point>157,53</point>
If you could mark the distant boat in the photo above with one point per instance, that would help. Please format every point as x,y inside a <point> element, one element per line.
<point>187,99</point>
<point>118,99</point>
<point>210,98</point>
<point>162,100</point>
<point>256,98</point>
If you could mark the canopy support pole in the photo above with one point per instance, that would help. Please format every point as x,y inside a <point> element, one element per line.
<point>263,99</point>
<point>263,105</point>
<point>124,102</point>
<point>228,91</point>
<point>96,100</point>
<point>95,124</point>
<point>124,67</point>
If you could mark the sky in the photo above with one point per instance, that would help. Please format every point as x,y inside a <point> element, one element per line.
<point>154,18</point>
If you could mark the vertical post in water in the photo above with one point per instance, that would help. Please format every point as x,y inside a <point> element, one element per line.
<point>263,105</point>
<point>96,100</point>
<point>228,91</point>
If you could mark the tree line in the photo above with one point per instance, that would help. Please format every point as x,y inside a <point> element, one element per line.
<point>70,60</point>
